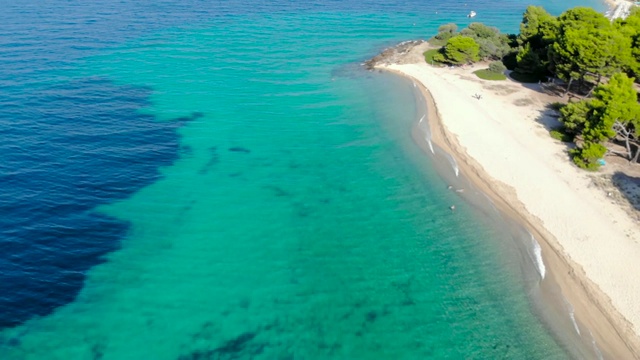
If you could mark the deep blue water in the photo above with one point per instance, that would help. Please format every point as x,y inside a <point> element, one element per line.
<point>65,150</point>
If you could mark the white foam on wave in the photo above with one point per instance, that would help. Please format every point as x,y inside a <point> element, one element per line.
<point>572,315</point>
<point>595,347</point>
<point>537,257</point>
<point>430,146</point>
<point>427,133</point>
<point>454,165</point>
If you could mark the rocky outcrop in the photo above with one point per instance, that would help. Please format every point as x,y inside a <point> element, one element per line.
<point>395,54</point>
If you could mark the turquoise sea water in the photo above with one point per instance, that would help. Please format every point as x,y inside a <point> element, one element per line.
<point>299,220</point>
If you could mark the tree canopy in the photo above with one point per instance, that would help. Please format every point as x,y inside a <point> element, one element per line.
<point>445,32</point>
<point>493,44</point>
<point>588,44</point>
<point>613,112</point>
<point>537,30</point>
<point>459,50</point>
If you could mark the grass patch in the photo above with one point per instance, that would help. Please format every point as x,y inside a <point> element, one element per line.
<point>524,78</point>
<point>429,54</point>
<point>489,75</point>
<point>561,134</point>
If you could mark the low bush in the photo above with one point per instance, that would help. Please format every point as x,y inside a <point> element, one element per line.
<point>587,157</point>
<point>560,134</point>
<point>497,67</point>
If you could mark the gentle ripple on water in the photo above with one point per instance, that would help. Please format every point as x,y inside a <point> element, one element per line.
<point>92,99</point>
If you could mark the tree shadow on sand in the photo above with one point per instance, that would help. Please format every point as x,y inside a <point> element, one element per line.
<point>629,187</point>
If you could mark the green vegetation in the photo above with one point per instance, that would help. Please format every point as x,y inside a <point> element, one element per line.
<point>445,32</point>
<point>583,53</point>
<point>524,78</point>
<point>537,32</point>
<point>561,134</point>
<point>474,43</point>
<point>487,74</point>
<point>494,72</point>
<point>587,156</point>
<point>492,44</point>
<point>429,54</point>
<point>613,112</point>
<point>458,50</point>
<point>497,67</point>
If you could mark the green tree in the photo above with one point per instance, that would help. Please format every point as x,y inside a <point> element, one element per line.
<point>446,32</point>
<point>493,44</point>
<point>613,111</point>
<point>574,115</point>
<point>588,155</point>
<point>630,28</point>
<point>529,61</point>
<point>461,50</point>
<point>585,44</point>
<point>617,112</point>
<point>482,31</point>
<point>614,102</point>
<point>538,28</point>
<point>537,31</point>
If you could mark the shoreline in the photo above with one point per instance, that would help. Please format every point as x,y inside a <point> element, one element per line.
<point>594,309</point>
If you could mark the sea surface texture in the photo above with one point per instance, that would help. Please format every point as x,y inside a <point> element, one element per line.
<point>222,180</point>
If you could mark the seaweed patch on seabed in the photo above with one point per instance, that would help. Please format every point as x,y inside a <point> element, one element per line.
<point>241,347</point>
<point>405,289</point>
<point>181,121</point>
<point>239,149</point>
<point>13,341</point>
<point>277,191</point>
<point>302,210</point>
<point>213,160</point>
<point>97,351</point>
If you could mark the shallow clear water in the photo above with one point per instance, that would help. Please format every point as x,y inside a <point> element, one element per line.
<point>224,181</point>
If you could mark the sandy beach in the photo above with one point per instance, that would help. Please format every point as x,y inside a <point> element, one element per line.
<point>590,243</point>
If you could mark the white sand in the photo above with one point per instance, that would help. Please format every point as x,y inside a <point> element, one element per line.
<point>596,238</point>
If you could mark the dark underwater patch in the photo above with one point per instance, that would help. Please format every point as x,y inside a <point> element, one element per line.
<point>66,150</point>
<point>239,149</point>
<point>243,346</point>
<point>214,158</point>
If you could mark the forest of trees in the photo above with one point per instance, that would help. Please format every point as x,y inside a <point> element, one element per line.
<point>596,60</point>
